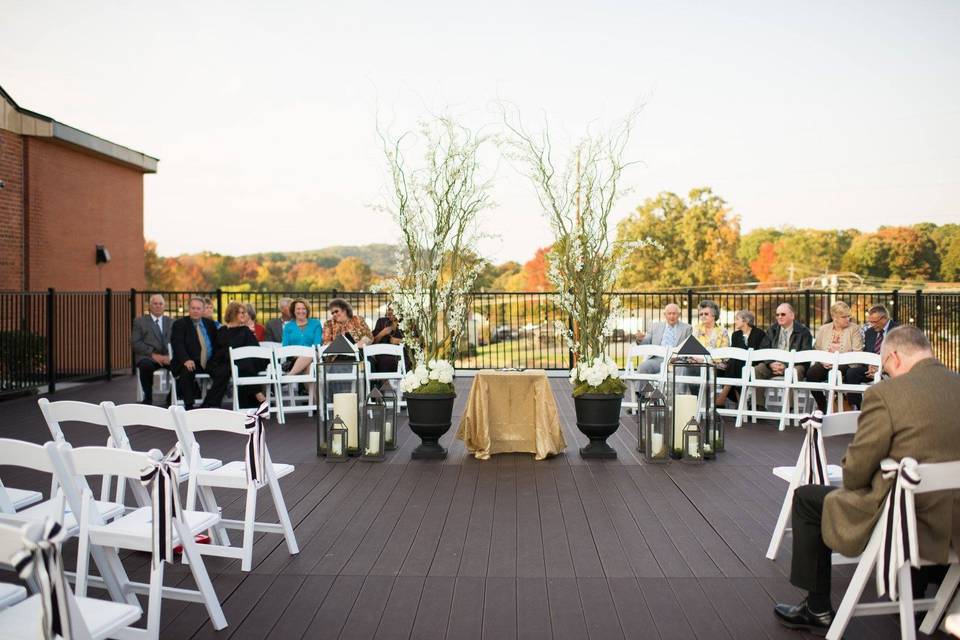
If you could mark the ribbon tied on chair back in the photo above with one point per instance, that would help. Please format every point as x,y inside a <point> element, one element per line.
<point>814,461</point>
<point>899,524</point>
<point>41,558</point>
<point>256,445</point>
<point>162,478</point>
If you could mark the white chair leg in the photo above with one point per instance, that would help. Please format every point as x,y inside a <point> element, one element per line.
<point>209,501</point>
<point>281,508</point>
<point>741,407</point>
<point>83,562</point>
<point>947,590</point>
<point>200,576</point>
<point>905,589</point>
<point>249,517</point>
<point>855,589</point>
<point>154,601</point>
<point>784,410</point>
<point>783,521</point>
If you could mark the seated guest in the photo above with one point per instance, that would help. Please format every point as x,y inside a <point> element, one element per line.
<point>150,338</point>
<point>387,331</point>
<point>234,333</point>
<point>258,329</point>
<point>302,331</point>
<point>912,414</point>
<point>877,326</point>
<point>670,334</point>
<point>840,336</point>
<point>786,334</point>
<point>275,326</point>
<point>208,311</point>
<point>709,333</point>
<point>192,339</point>
<point>343,322</point>
<point>746,335</point>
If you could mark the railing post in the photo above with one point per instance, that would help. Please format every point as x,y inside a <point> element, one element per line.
<point>108,333</point>
<point>133,316</point>
<point>690,307</point>
<point>895,303</point>
<point>806,308</point>
<point>51,359</point>
<point>219,304</point>
<point>919,321</point>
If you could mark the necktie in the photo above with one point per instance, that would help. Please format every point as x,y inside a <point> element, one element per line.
<point>203,347</point>
<point>159,326</point>
<point>878,342</point>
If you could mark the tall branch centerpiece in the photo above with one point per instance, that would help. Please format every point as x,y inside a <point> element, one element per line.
<point>436,205</point>
<point>585,262</point>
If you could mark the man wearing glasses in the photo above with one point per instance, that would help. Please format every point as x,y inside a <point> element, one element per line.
<point>911,414</point>
<point>789,335</point>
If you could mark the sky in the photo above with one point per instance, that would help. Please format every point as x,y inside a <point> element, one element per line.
<point>264,115</point>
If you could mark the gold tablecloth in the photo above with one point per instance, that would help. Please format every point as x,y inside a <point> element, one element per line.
<point>511,411</point>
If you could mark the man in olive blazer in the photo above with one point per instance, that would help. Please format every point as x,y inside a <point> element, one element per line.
<point>912,414</point>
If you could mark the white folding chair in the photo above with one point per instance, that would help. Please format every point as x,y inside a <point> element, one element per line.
<point>119,417</point>
<point>636,353</point>
<point>733,353</point>
<point>864,358</point>
<point>271,345</point>
<point>836,424</point>
<point>291,402</point>
<point>394,377</point>
<point>11,593</point>
<point>136,530</point>
<point>89,619</point>
<point>943,476</point>
<point>234,475</point>
<point>808,358</point>
<point>778,383</point>
<point>12,500</point>
<point>266,378</point>
<point>166,386</point>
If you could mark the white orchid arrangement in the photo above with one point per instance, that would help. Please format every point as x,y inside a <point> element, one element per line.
<point>585,262</point>
<point>436,207</point>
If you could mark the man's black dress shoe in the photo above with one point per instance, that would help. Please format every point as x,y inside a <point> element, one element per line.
<point>800,617</point>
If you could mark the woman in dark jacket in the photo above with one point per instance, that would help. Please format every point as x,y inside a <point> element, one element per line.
<point>746,336</point>
<point>234,333</point>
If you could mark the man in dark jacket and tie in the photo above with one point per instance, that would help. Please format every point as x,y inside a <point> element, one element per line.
<point>149,338</point>
<point>878,325</point>
<point>192,338</point>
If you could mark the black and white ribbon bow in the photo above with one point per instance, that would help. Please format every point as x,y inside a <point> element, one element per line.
<point>899,525</point>
<point>162,478</point>
<point>256,445</point>
<point>41,559</point>
<point>813,462</point>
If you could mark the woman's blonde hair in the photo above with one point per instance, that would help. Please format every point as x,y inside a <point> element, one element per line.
<point>839,308</point>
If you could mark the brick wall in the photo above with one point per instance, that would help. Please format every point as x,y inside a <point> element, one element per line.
<point>78,201</point>
<point>11,211</point>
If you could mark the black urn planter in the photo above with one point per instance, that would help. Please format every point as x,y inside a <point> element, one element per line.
<point>598,418</point>
<point>431,415</point>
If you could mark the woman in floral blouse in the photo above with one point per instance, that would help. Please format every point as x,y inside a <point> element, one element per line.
<point>708,332</point>
<point>342,321</point>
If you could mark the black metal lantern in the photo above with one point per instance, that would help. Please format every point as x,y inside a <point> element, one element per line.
<point>391,399</point>
<point>643,396</point>
<point>692,393</point>
<point>656,428</point>
<point>337,440</point>
<point>692,442</point>
<point>374,426</point>
<point>339,368</point>
<point>719,434</point>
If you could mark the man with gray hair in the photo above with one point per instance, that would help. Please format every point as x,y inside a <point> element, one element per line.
<point>670,334</point>
<point>913,414</point>
<point>149,338</point>
<point>275,326</point>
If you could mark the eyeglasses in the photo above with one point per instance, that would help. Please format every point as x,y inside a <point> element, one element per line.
<point>706,313</point>
<point>883,363</point>
<point>782,315</point>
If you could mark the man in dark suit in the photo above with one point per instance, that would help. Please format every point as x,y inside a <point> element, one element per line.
<point>911,414</point>
<point>274,328</point>
<point>192,338</point>
<point>878,325</point>
<point>149,339</point>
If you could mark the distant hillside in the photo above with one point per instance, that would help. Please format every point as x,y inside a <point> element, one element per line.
<point>379,257</point>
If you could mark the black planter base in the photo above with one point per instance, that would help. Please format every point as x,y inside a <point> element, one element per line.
<point>429,451</point>
<point>598,450</point>
<point>430,418</point>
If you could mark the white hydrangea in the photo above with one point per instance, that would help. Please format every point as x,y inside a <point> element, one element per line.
<point>594,373</point>
<point>439,370</point>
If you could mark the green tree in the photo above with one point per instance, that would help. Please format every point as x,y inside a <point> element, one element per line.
<point>810,252</point>
<point>950,260</point>
<point>899,253</point>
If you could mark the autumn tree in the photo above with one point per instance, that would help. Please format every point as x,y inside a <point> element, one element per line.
<point>898,253</point>
<point>353,274</point>
<point>159,274</point>
<point>535,271</point>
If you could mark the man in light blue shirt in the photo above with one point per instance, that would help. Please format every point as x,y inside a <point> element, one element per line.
<point>668,334</point>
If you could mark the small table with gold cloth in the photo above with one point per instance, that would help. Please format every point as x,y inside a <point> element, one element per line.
<point>511,411</point>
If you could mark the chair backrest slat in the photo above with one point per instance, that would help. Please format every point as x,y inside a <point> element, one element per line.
<point>859,357</point>
<point>211,420</point>
<point>17,453</point>
<point>814,355</point>
<point>70,411</point>
<point>938,476</point>
<point>840,424</point>
<point>92,461</point>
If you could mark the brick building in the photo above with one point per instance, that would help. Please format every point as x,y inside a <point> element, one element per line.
<point>63,193</point>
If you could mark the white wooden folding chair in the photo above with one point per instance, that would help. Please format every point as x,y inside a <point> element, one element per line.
<point>291,402</point>
<point>733,353</point>
<point>393,377</point>
<point>808,358</point>
<point>266,377</point>
<point>35,548</point>
<point>637,353</point>
<point>235,475</point>
<point>943,476</point>
<point>139,530</point>
<point>11,593</point>
<point>12,499</point>
<point>864,358</point>
<point>756,385</point>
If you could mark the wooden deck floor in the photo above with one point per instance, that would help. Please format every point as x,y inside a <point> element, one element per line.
<point>505,548</point>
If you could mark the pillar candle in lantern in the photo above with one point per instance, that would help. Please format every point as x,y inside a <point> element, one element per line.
<point>345,406</point>
<point>685,407</point>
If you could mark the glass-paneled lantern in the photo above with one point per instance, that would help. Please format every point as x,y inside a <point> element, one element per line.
<point>374,426</point>
<point>643,394</point>
<point>339,380</point>
<point>656,428</point>
<point>719,433</point>
<point>337,440</point>
<point>692,441</point>
<point>392,401</point>
<point>691,394</point>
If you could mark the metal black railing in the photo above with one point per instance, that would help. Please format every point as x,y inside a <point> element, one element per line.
<point>53,337</point>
